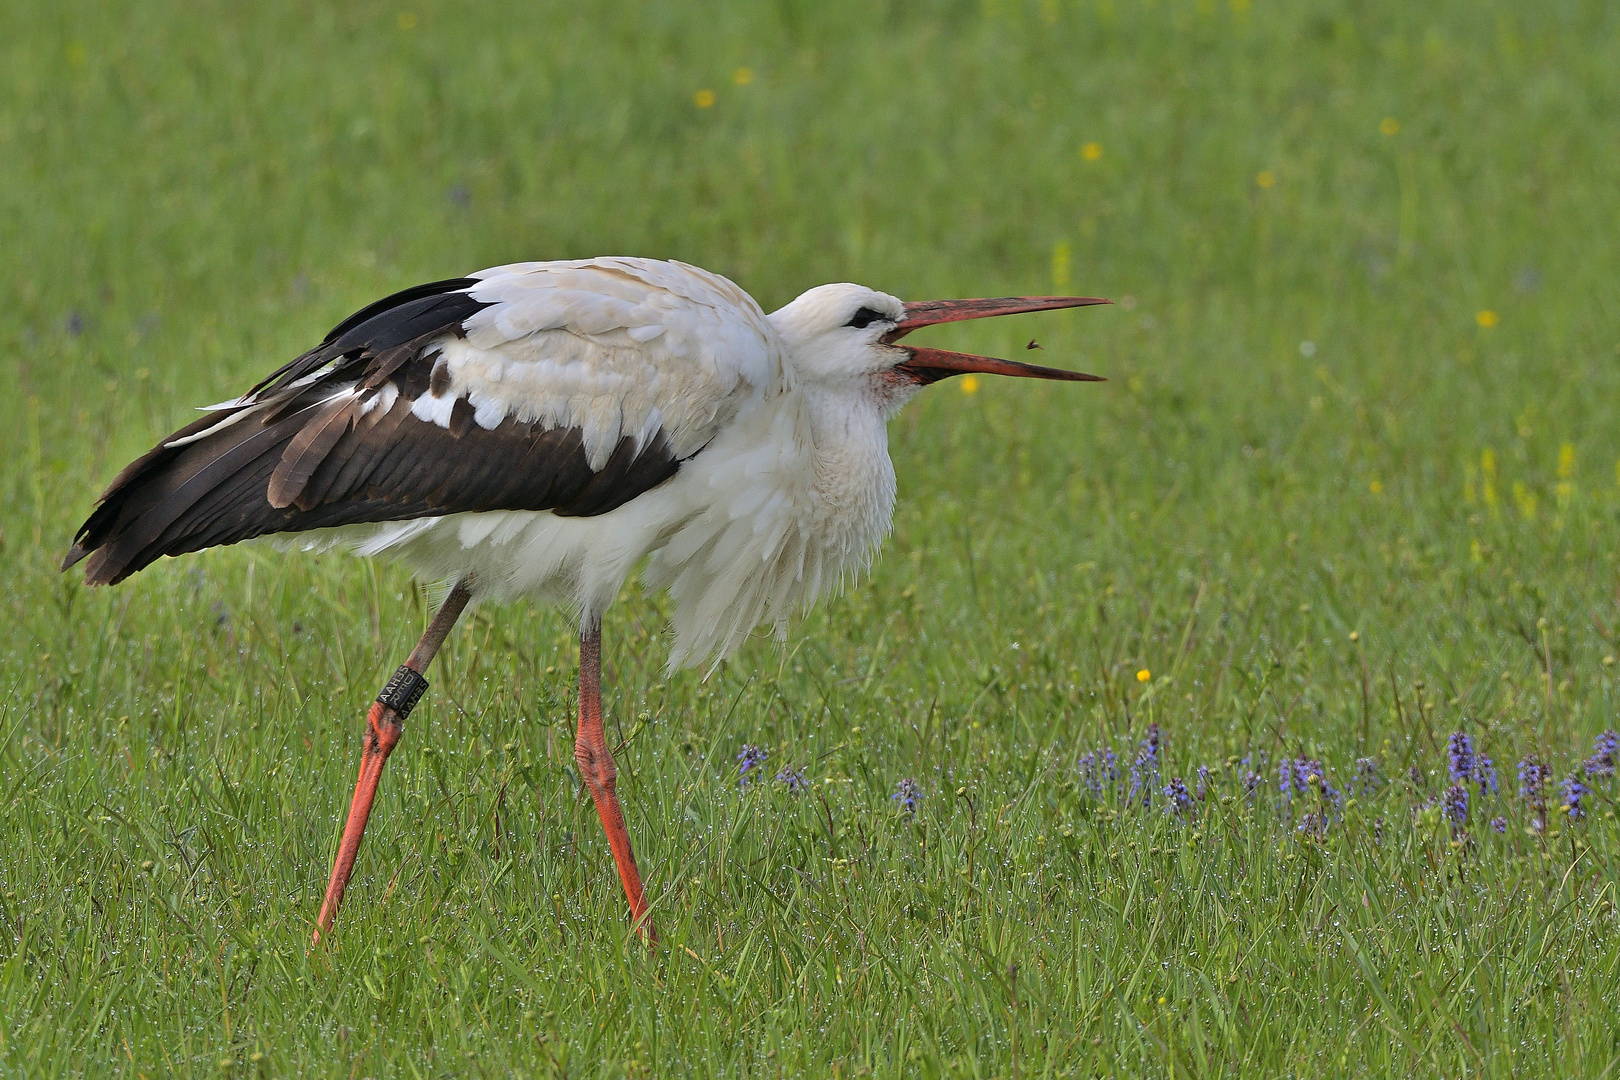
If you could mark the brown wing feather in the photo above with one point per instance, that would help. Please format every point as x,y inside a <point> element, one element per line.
<point>306,450</point>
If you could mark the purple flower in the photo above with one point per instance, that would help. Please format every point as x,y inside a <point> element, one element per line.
<point>1177,800</point>
<point>1329,792</point>
<point>1465,763</point>
<point>1499,824</point>
<point>1145,768</point>
<point>1203,783</point>
<point>1601,763</point>
<point>1533,778</point>
<point>1298,776</point>
<point>1151,744</point>
<point>1574,792</point>
<point>1139,793</point>
<point>750,759</point>
<point>1455,808</point>
<point>793,780</point>
<point>1366,781</point>
<point>907,794</point>
<point>1460,750</point>
<point>1251,779</point>
<point>1099,771</point>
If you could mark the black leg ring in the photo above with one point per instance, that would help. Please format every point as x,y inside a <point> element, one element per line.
<point>405,688</point>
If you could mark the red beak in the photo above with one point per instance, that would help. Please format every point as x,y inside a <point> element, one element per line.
<point>931,365</point>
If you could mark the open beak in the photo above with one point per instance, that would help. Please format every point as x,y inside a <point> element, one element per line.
<point>926,365</point>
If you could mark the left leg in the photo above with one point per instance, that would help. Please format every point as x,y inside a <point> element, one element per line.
<point>385,724</point>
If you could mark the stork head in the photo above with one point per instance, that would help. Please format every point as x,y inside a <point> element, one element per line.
<point>844,336</point>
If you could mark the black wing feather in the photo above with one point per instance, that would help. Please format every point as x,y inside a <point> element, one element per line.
<point>434,309</point>
<point>402,307</point>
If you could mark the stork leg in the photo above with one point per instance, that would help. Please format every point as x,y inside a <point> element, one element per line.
<point>385,724</point>
<point>599,773</point>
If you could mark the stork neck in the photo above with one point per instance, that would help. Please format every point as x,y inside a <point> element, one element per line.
<point>851,439</point>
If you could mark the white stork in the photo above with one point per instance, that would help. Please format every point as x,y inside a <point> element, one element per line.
<point>537,430</point>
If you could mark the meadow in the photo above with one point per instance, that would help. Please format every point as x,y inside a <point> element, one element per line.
<point>1353,486</point>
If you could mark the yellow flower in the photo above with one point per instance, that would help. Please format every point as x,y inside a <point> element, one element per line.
<point>703,98</point>
<point>1486,318</point>
<point>1144,675</point>
<point>1526,500</point>
<point>1389,126</point>
<point>743,76</point>
<point>1565,490</point>
<point>1061,259</point>
<point>1265,178</point>
<point>970,384</point>
<point>1376,487</point>
<point>1091,151</point>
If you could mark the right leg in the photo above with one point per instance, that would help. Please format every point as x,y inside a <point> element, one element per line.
<point>596,768</point>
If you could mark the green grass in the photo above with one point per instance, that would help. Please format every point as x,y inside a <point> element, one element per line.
<point>192,193</point>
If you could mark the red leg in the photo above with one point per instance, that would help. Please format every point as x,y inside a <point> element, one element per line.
<point>386,723</point>
<point>599,773</point>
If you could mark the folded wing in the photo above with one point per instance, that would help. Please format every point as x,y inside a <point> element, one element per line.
<point>570,387</point>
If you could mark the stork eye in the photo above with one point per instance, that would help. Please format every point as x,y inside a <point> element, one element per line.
<point>865,317</point>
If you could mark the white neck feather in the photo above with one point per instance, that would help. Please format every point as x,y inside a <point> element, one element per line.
<point>855,482</point>
<point>796,524</point>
